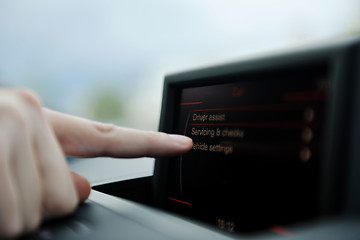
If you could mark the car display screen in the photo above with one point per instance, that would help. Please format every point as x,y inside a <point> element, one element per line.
<point>256,153</point>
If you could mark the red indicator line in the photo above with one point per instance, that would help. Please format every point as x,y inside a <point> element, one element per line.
<point>258,124</point>
<point>281,231</point>
<point>179,201</point>
<point>318,95</point>
<point>190,103</point>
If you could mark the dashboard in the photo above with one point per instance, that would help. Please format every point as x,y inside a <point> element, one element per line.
<point>275,155</point>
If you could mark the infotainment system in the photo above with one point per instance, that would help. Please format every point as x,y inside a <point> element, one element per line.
<point>257,148</point>
<point>269,137</point>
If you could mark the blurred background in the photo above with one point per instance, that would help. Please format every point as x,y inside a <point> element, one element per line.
<point>106,60</point>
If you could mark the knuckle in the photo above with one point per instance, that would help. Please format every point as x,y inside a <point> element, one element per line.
<point>104,132</point>
<point>104,128</point>
<point>15,105</point>
<point>11,112</point>
<point>29,96</point>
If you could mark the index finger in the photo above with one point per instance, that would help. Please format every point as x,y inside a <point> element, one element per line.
<point>84,138</point>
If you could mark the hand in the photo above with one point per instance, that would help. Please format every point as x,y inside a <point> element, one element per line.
<point>35,181</point>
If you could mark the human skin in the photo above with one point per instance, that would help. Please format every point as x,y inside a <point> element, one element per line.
<point>35,180</point>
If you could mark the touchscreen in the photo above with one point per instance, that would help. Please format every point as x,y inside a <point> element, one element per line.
<point>256,153</point>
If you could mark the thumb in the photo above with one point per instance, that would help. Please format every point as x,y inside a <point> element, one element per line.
<point>82,186</point>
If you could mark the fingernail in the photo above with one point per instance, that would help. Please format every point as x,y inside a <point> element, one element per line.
<point>181,139</point>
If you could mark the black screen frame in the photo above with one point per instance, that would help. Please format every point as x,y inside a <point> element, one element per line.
<point>341,59</point>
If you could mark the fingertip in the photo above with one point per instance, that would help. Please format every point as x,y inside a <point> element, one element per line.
<point>82,185</point>
<point>182,141</point>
